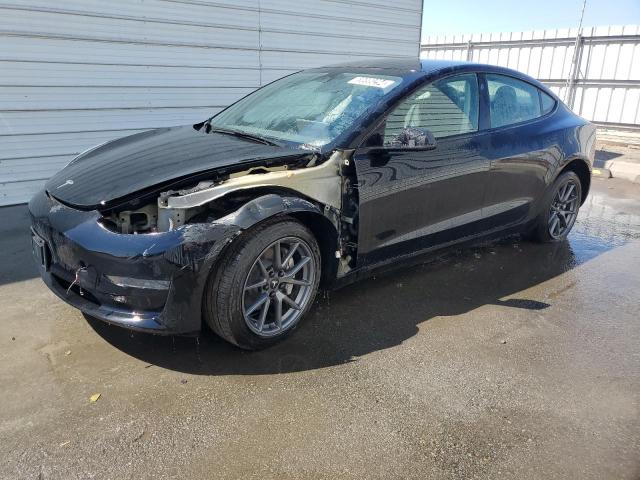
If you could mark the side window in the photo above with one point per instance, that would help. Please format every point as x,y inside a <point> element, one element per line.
<point>445,107</point>
<point>512,101</point>
<point>547,103</point>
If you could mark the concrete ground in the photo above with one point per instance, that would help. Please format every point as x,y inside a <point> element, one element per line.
<point>510,360</point>
<point>618,153</point>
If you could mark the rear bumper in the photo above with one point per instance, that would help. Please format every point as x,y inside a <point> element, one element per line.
<point>83,258</point>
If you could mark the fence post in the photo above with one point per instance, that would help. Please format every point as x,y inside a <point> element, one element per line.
<point>574,71</point>
<point>469,51</point>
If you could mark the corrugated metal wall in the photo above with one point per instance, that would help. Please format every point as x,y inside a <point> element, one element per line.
<point>605,88</point>
<point>74,73</point>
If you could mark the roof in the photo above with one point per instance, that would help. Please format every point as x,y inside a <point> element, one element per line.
<point>410,66</point>
<point>401,65</point>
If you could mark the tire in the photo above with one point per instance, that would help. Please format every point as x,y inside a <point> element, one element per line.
<point>552,225</point>
<point>244,276</point>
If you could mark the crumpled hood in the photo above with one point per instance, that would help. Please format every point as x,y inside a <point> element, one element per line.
<point>119,168</point>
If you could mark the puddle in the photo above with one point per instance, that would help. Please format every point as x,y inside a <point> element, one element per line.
<point>601,227</point>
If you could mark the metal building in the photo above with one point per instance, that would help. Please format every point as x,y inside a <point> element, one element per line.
<point>75,73</point>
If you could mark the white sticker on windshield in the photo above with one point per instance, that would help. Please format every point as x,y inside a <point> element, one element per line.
<point>372,82</point>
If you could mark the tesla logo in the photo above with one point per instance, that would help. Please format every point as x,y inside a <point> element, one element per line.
<point>68,182</point>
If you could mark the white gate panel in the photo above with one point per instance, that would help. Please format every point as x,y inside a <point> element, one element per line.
<point>605,86</point>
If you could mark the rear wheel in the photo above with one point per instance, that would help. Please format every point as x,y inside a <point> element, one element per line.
<point>560,209</point>
<point>264,285</point>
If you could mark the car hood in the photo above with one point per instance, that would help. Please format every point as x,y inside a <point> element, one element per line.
<point>154,158</point>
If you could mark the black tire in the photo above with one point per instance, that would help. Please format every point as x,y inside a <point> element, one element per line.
<point>542,228</point>
<point>223,303</point>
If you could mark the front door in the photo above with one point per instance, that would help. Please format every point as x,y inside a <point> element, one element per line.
<point>415,198</point>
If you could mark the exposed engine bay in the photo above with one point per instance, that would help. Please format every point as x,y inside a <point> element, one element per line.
<point>330,184</point>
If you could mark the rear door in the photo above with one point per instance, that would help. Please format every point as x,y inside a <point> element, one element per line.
<point>413,198</point>
<point>522,146</point>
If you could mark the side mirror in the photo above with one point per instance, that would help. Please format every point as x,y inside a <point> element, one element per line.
<point>412,137</point>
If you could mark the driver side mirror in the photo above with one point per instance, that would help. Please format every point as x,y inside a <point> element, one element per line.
<point>413,137</point>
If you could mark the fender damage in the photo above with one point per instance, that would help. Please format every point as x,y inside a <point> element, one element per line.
<point>146,268</point>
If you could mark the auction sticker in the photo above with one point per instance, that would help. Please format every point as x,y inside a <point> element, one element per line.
<point>372,82</point>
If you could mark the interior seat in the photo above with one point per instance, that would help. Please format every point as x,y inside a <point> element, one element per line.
<point>504,107</point>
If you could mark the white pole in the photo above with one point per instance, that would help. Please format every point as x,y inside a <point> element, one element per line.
<point>574,70</point>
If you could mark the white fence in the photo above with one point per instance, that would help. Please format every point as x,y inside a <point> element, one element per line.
<point>596,73</point>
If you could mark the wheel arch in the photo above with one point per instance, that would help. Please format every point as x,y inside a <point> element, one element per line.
<point>253,216</point>
<point>327,237</point>
<point>582,169</point>
<point>269,205</point>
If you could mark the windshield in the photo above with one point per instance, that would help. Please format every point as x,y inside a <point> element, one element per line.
<point>311,108</point>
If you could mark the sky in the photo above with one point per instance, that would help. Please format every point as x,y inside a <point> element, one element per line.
<point>477,16</point>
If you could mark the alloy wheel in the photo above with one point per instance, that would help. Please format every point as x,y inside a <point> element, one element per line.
<point>278,287</point>
<point>564,209</point>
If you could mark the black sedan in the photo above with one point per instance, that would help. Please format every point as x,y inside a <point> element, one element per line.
<point>313,180</point>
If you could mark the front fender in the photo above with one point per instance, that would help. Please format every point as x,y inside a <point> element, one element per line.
<point>234,224</point>
<point>267,206</point>
<point>216,237</point>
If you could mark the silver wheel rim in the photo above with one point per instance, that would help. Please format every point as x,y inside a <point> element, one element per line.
<point>564,209</point>
<point>278,287</point>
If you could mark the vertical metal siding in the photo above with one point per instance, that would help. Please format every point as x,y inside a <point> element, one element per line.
<point>79,72</point>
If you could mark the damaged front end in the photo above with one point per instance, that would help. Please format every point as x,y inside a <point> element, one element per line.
<point>144,263</point>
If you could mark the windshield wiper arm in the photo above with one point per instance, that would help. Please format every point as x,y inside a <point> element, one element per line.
<point>239,134</point>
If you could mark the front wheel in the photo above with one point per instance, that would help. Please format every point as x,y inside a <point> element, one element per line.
<point>560,209</point>
<point>264,285</point>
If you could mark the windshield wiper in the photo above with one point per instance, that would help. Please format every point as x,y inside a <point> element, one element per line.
<point>239,134</point>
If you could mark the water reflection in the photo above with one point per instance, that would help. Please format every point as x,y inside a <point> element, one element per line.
<point>601,227</point>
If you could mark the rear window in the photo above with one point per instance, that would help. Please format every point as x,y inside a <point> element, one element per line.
<point>512,101</point>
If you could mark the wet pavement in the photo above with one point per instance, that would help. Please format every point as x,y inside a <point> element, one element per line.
<point>507,360</point>
<point>618,152</point>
